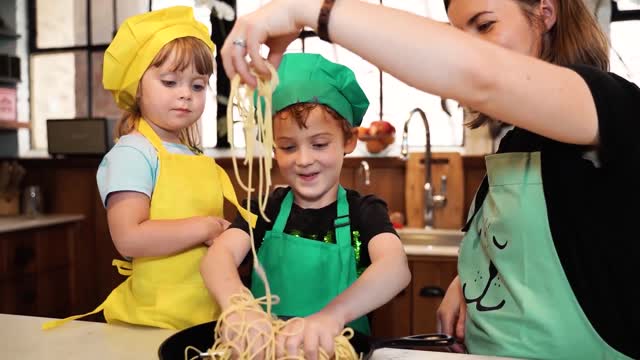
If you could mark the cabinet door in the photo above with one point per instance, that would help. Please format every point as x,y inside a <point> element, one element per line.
<point>394,318</point>
<point>37,273</point>
<point>431,277</point>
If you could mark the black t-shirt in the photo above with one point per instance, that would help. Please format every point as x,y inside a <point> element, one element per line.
<point>591,206</point>
<point>368,217</point>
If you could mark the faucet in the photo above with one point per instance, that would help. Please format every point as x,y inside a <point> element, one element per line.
<point>364,165</point>
<point>431,201</point>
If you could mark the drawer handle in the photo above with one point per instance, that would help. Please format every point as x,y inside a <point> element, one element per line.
<point>431,291</point>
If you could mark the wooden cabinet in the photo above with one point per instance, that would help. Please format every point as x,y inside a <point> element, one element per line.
<point>413,311</point>
<point>394,318</point>
<point>37,271</point>
<point>431,278</point>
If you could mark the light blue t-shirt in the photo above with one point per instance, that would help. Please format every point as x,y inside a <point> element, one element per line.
<point>132,165</point>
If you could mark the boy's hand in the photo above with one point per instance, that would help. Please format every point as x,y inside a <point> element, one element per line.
<point>257,337</point>
<point>320,331</point>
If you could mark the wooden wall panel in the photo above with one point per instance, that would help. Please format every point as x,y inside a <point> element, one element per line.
<point>474,171</point>
<point>443,164</point>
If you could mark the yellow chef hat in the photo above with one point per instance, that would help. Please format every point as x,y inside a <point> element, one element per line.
<point>138,41</point>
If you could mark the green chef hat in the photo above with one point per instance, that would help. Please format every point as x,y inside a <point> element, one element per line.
<point>310,78</point>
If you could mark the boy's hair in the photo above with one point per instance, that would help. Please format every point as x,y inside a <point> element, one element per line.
<point>300,113</point>
<point>187,50</point>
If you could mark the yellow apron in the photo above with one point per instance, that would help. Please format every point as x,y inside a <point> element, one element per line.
<point>168,292</point>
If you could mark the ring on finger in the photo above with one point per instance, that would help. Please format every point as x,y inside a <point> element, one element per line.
<point>240,42</point>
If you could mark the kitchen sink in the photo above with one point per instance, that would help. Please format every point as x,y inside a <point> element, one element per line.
<point>430,236</point>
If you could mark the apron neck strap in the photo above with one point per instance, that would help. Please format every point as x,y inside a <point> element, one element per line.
<point>283,214</point>
<point>342,223</point>
<point>145,129</point>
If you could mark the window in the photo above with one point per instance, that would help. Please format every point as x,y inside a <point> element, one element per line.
<point>66,64</point>
<point>625,25</point>
<point>66,51</point>
<point>67,46</point>
<point>390,99</point>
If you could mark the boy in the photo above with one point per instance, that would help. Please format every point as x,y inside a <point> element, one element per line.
<point>321,236</point>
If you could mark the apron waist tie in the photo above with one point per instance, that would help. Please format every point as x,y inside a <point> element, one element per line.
<point>55,323</point>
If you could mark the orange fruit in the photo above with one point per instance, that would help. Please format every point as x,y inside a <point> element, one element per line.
<point>362,132</point>
<point>375,146</point>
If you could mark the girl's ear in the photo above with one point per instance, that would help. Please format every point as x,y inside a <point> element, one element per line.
<point>548,13</point>
<point>351,142</point>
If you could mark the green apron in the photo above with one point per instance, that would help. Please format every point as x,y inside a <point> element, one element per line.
<point>307,274</point>
<point>520,303</point>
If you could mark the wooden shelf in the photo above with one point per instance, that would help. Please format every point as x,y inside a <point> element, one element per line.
<point>8,34</point>
<point>12,125</point>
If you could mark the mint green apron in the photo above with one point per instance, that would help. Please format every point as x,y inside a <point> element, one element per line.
<point>307,274</point>
<point>520,303</point>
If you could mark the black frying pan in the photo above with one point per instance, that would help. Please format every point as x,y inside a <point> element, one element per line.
<point>201,337</point>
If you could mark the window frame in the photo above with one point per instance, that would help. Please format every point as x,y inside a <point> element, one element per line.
<point>623,15</point>
<point>88,49</point>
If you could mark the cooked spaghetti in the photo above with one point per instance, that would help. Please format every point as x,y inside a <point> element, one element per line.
<point>235,335</point>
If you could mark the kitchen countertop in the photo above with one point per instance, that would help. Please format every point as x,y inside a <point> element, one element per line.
<point>22,338</point>
<point>431,250</point>
<point>16,223</point>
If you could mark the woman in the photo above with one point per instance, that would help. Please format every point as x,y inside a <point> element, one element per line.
<point>546,264</point>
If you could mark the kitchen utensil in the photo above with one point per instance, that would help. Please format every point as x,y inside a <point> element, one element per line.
<point>366,345</point>
<point>32,201</point>
<point>201,337</point>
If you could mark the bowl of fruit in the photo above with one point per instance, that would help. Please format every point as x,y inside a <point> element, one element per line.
<point>378,136</point>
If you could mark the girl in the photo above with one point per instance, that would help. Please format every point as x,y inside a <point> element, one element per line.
<point>163,196</point>
<point>547,271</point>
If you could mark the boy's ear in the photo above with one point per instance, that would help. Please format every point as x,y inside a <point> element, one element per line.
<point>351,142</point>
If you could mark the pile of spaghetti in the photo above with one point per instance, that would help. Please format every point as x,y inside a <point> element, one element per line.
<point>245,330</point>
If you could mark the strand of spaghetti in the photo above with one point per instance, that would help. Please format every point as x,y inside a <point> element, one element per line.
<point>266,90</point>
<point>245,339</point>
<point>262,168</point>
<point>233,96</point>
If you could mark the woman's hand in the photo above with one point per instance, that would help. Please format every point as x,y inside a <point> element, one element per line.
<point>452,313</point>
<point>318,332</point>
<point>276,25</point>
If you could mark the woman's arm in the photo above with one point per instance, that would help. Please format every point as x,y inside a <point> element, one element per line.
<point>546,99</point>
<point>219,268</point>
<point>135,235</point>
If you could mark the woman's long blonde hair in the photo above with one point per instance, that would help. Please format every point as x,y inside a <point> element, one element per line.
<point>576,38</point>
<point>187,50</point>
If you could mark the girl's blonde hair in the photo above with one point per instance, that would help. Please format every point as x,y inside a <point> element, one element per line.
<point>575,38</point>
<point>187,50</point>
